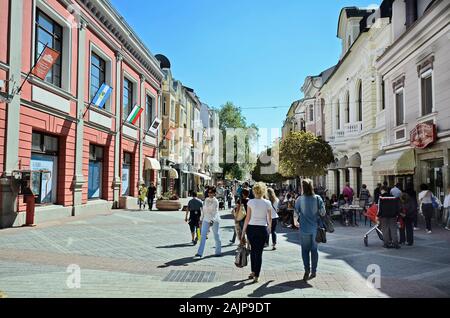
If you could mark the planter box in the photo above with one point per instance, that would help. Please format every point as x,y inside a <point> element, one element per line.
<point>168,205</point>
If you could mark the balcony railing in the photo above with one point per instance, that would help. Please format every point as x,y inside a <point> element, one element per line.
<point>353,129</point>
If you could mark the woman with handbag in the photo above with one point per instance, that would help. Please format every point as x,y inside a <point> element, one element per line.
<point>257,226</point>
<point>428,202</point>
<point>239,214</point>
<point>309,207</point>
<point>274,203</point>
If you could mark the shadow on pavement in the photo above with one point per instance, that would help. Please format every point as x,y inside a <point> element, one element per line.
<point>185,261</point>
<point>223,289</point>
<point>265,290</point>
<point>176,245</point>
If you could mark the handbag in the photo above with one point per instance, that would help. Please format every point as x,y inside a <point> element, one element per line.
<point>321,236</point>
<point>241,259</point>
<point>326,220</point>
<point>241,213</point>
<point>436,204</point>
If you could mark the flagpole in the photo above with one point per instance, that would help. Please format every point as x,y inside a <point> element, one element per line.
<point>29,73</point>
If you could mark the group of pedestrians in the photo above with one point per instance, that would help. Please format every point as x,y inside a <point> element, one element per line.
<point>258,227</point>
<point>146,195</point>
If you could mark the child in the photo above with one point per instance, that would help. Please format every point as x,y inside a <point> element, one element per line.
<point>142,195</point>
<point>447,208</point>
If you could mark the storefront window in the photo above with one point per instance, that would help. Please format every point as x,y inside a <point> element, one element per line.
<point>95,172</point>
<point>126,171</point>
<point>44,167</point>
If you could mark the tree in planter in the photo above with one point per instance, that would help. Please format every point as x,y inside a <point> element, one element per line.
<point>304,155</point>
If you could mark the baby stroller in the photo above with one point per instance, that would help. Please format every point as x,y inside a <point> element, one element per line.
<point>371,214</point>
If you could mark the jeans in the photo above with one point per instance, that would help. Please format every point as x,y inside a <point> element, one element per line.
<point>389,228</point>
<point>238,226</point>
<point>150,202</point>
<point>273,232</point>
<point>257,237</point>
<point>407,232</point>
<point>428,210</point>
<point>309,251</point>
<point>204,232</point>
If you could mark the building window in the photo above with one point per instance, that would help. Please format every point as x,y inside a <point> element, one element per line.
<point>164,107</point>
<point>360,104</point>
<point>399,107</point>
<point>148,111</point>
<point>338,117</point>
<point>427,93</point>
<point>383,96</point>
<point>311,113</point>
<point>95,172</point>
<point>127,97</point>
<point>347,109</point>
<point>126,173</point>
<point>98,74</point>
<point>44,167</point>
<point>50,33</point>
<point>172,110</point>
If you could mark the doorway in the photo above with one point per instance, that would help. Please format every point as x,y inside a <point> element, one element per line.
<point>433,170</point>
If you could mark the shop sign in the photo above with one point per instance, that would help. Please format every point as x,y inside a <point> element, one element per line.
<point>423,135</point>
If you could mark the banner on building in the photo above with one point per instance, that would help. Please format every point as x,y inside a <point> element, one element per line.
<point>135,114</point>
<point>155,126</point>
<point>46,61</point>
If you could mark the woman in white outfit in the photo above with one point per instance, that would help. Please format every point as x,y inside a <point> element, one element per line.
<point>211,218</point>
<point>274,203</point>
<point>257,227</point>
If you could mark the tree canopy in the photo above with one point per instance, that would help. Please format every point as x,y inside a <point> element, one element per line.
<point>231,117</point>
<point>304,155</point>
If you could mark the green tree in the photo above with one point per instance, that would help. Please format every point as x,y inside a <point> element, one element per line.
<point>260,176</point>
<point>231,117</point>
<point>304,155</point>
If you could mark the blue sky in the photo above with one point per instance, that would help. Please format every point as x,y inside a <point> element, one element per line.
<point>255,53</point>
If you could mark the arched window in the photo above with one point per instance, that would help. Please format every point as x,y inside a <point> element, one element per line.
<point>311,113</point>
<point>360,105</point>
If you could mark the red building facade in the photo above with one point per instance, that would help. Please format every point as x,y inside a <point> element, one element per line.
<point>81,158</point>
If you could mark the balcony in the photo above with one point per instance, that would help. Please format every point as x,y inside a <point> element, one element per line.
<point>352,129</point>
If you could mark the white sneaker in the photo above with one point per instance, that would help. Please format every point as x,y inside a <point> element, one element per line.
<point>447,228</point>
<point>429,232</point>
<point>416,228</point>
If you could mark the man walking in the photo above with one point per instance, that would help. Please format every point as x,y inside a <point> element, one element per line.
<point>195,206</point>
<point>151,192</point>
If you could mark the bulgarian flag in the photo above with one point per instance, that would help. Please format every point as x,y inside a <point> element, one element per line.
<point>135,114</point>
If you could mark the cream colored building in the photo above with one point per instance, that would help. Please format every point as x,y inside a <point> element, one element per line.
<point>352,98</point>
<point>415,71</point>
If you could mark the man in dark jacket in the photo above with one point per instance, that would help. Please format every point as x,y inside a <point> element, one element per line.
<point>388,212</point>
<point>151,192</point>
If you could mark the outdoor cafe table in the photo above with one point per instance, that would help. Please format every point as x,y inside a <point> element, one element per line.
<point>353,209</point>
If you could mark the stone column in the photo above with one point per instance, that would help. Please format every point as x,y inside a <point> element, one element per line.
<point>341,180</point>
<point>331,183</point>
<point>141,131</point>
<point>79,180</point>
<point>9,188</point>
<point>118,136</point>
<point>354,180</point>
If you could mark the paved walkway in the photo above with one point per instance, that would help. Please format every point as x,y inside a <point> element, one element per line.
<point>148,254</point>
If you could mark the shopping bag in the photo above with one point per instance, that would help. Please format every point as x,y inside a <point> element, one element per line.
<point>241,259</point>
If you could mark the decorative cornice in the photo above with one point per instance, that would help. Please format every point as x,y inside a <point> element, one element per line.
<point>399,83</point>
<point>106,15</point>
<point>119,56</point>
<point>425,65</point>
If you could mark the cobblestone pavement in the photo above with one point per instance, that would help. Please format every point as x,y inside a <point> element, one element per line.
<point>149,254</point>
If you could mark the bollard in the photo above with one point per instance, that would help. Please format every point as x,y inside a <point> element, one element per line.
<point>30,201</point>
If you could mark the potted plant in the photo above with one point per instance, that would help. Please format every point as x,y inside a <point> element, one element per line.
<point>169,201</point>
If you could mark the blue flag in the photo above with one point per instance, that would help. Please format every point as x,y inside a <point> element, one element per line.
<point>102,96</point>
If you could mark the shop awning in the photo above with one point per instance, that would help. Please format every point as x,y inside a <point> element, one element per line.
<point>173,173</point>
<point>201,175</point>
<point>395,163</point>
<point>151,164</point>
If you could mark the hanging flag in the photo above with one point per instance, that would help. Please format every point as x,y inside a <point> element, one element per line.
<point>135,114</point>
<point>102,96</point>
<point>169,134</point>
<point>45,62</point>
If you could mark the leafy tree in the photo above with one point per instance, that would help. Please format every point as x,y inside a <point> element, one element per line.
<point>304,155</point>
<point>259,175</point>
<point>231,118</point>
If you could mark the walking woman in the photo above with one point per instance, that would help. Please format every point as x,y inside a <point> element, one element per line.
<point>426,205</point>
<point>408,214</point>
<point>257,226</point>
<point>211,218</point>
<point>274,204</point>
<point>308,207</point>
